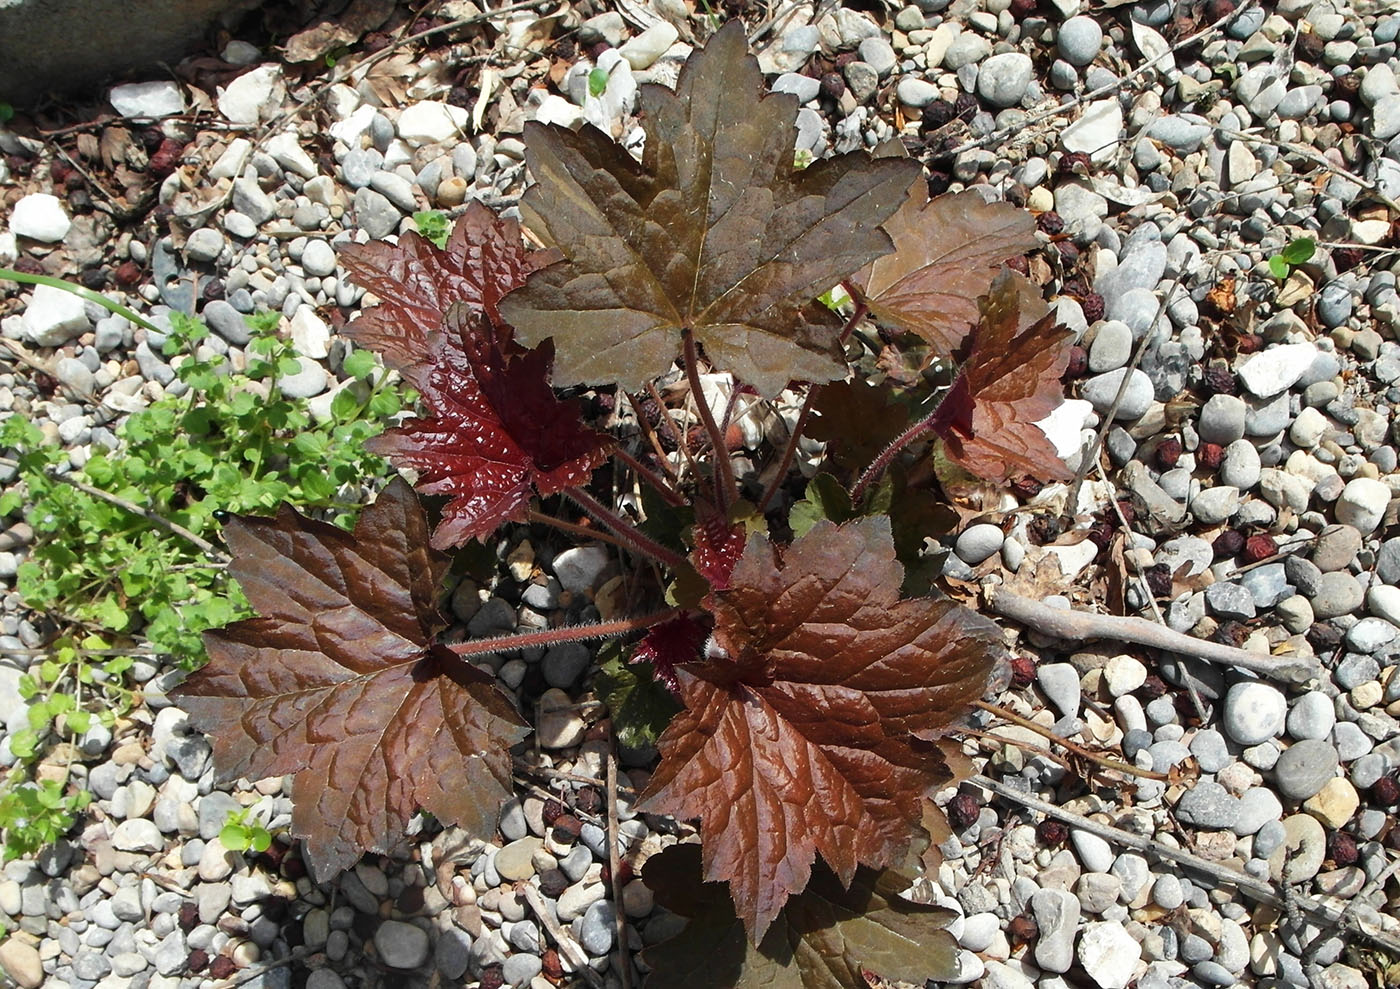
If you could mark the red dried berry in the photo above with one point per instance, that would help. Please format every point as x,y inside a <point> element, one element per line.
<point>1022,670</point>
<point>189,916</point>
<point>566,828</point>
<point>1168,453</point>
<point>962,811</point>
<point>1159,580</point>
<point>1078,363</point>
<point>491,977</point>
<point>127,275</point>
<point>833,85</point>
<point>936,114</point>
<point>1074,163</point>
<point>1342,848</point>
<point>1153,687</point>
<point>1209,455</point>
<point>550,964</point>
<point>1050,222</point>
<point>553,810</point>
<point>1044,529</point>
<point>1126,509</point>
<point>222,967</point>
<point>1093,306</point>
<point>589,800</point>
<point>966,106</point>
<point>1021,9</point>
<point>1346,258</point>
<point>1386,791</point>
<point>1101,533</point>
<point>1259,547</point>
<point>1228,544</point>
<point>197,960</point>
<point>1022,929</point>
<point>1218,379</point>
<point>1051,832</point>
<point>1232,633</point>
<point>1069,253</point>
<point>167,158</point>
<point>1019,264</point>
<point>1026,487</point>
<point>1218,9</point>
<point>1248,343</point>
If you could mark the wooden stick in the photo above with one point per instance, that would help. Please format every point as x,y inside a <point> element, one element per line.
<point>1079,626</point>
<point>568,947</point>
<point>1259,890</point>
<point>615,869</point>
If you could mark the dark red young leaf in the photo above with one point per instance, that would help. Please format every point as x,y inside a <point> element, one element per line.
<point>946,251</point>
<point>1010,381</point>
<point>714,231</point>
<point>416,282</point>
<point>670,644</point>
<point>718,545</point>
<point>826,937</point>
<point>798,733</point>
<point>495,430</point>
<point>338,680</point>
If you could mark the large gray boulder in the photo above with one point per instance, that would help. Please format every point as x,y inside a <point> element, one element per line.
<point>56,46</point>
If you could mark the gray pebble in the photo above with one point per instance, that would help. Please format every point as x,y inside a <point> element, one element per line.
<point>375,214</point>
<point>1101,389</point>
<point>1254,712</point>
<point>520,969</point>
<point>1208,805</point>
<point>564,664</point>
<point>1229,600</point>
<point>597,928</point>
<point>1079,40</point>
<point>1257,807</point>
<point>1313,715</point>
<point>1304,768</point>
<point>1060,683</point>
<point>1268,585</point>
<point>1338,593</point>
<point>1210,750</point>
<point>1222,419</point>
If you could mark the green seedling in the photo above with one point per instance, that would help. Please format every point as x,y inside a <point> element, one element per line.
<point>433,224</point>
<point>1296,252</point>
<point>242,832</point>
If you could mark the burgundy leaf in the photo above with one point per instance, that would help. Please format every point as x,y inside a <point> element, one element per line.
<point>798,733</point>
<point>416,281</point>
<point>670,644</point>
<point>495,430</point>
<point>718,545</point>
<point>338,681</point>
<point>1010,381</point>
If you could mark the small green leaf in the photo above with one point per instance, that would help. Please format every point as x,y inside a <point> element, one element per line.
<point>1299,251</point>
<point>359,364</point>
<point>24,743</point>
<point>1278,267</point>
<point>343,406</point>
<point>825,499</point>
<point>260,840</point>
<point>79,722</point>
<point>234,837</point>
<point>597,82</point>
<point>641,707</point>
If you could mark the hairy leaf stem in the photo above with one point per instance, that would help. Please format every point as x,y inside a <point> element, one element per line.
<point>627,533</point>
<point>879,464</point>
<point>726,489</point>
<point>554,636</point>
<point>659,483</point>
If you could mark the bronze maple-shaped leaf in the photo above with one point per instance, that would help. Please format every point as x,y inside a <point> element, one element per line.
<point>1009,382</point>
<point>798,731</point>
<point>339,681</point>
<point>714,232</point>
<point>946,252</point>
<point>826,937</point>
<point>495,431</point>
<point>416,282</point>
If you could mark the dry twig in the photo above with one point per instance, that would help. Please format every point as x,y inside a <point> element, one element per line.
<point>1079,626</point>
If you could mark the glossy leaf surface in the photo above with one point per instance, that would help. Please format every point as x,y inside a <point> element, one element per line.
<point>1010,381</point>
<point>417,282</point>
<point>495,432</point>
<point>824,938</point>
<point>797,737</point>
<point>947,251</point>
<point>338,681</point>
<point>713,231</point>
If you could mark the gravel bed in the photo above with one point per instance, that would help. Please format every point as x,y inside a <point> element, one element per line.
<point>1253,451</point>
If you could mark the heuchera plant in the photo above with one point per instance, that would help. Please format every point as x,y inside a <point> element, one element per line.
<point>813,691</point>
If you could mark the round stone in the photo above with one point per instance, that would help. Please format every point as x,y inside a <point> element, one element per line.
<point>978,542</point>
<point>1362,504</point>
<point>515,862</point>
<point>1079,40</point>
<point>1338,593</point>
<point>1222,419</point>
<point>401,945</point>
<point>1312,716</point>
<point>1003,79</point>
<point>1305,767</point>
<point>1208,805</point>
<point>1254,712</point>
<point>1300,854</point>
<point>318,259</point>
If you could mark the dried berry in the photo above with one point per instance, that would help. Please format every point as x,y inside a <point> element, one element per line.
<point>1022,929</point>
<point>1026,487</point>
<point>1093,306</point>
<point>1159,580</point>
<point>491,977</point>
<point>1126,509</point>
<point>549,961</point>
<point>1259,547</point>
<point>1021,9</point>
<point>189,916</point>
<point>222,967</point>
<point>1050,222</point>
<point>1044,529</point>
<point>553,810</point>
<point>566,828</point>
<point>1069,253</point>
<point>962,811</point>
<point>1168,453</point>
<point>936,114</point>
<point>1386,791</point>
<point>1051,832</point>
<point>1232,633</point>
<point>1153,687</point>
<point>167,158</point>
<point>1218,9</point>
<point>1078,362</point>
<point>1209,455</point>
<point>833,85</point>
<point>1019,264</point>
<point>589,800</point>
<point>1022,670</point>
<point>1101,533</point>
<point>1228,544</point>
<point>197,960</point>
<point>1219,379</point>
<point>1074,163</point>
<point>1342,849</point>
<point>1346,258</point>
<point>966,106</point>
